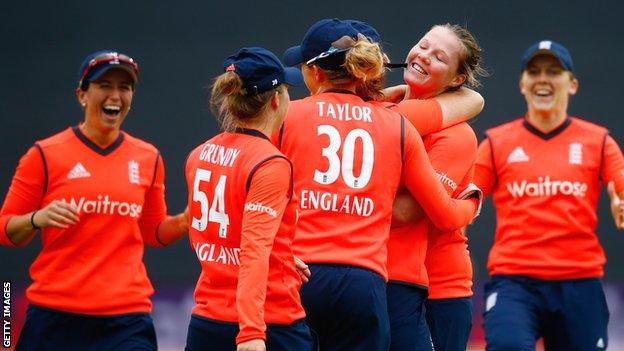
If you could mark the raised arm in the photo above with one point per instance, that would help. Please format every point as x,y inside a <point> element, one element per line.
<point>440,112</point>
<point>459,106</point>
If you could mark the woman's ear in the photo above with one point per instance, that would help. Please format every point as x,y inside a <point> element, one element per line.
<point>574,86</point>
<point>275,100</point>
<point>318,73</point>
<point>458,80</point>
<point>82,99</point>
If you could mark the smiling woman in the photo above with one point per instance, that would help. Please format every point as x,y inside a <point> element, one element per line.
<point>86,183</point>
<point>544,172</point>
<point>430,273</point>
<point>433,63</point>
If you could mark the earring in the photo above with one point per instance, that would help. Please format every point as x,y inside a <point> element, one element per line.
<point>84,104</point>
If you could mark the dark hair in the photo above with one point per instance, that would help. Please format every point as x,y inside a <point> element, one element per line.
<point>470,59</point>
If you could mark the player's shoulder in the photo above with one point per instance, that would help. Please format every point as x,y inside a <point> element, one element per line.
<point>59,138</point>
<point>588,126</point>
<point>387,107</point>
<point>139,144</point>
<point>303,103</point>
<point>505,128</point>
<point>460,129</point>
<point>461,135</point>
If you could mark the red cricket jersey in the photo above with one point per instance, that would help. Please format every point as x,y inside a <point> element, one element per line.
<point>242,222</point>
<point>425,115</point>
<point>419,253</point>
<point>447,260</point>
<point>545,189</point>
<point>96,266</point>
<point>349,157</point>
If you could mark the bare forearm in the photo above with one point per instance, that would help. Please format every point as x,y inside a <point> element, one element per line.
<point>405,209</point>
<point>173,228</point>
<point>459,106</point>
<point>20,229</point>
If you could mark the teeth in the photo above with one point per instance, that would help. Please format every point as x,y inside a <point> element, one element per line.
<point>112,107</point>
<point>542,92</point>
<point>418,68</point>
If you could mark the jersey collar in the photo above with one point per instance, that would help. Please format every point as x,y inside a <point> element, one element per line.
<point>546,136</point>
<point>95,147</point>
<point>339,91</point>
<point>252,132</point>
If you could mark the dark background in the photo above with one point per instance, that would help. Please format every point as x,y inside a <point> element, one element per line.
<point>180,46</point>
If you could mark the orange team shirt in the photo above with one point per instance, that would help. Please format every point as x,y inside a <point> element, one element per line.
<point>425,115</point>
<point>242,222</point>
<point>446,253</point>
<point>349,157</point>
<point>447,260</point>
<point>545,190</point>
<point>94,267</point>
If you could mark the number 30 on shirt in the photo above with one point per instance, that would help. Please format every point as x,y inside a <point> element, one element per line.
<point>345,163</point>
<point>217,210</point>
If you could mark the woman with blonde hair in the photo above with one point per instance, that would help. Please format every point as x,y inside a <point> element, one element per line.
<point>349,156</point>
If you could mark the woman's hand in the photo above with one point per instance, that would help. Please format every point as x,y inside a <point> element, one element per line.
<point>21,229</point>
<point>302,269</point>
<point>617,206</point>
<point>251,345</point>
<point>395,93</point>
<point>57,214</point>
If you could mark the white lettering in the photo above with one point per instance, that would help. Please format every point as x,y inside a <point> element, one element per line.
<point>545,187</point>
<point>103,205</point>
<point>219,155</point>
<point>332,202</point>
<point>258,207</point>
<point>344,112</point>
<point>6,314</point>
<point>444,179</point>
<point>225,255</point>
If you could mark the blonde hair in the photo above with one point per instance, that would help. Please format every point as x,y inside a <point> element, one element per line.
<point>469,62</point>
<point>231,104</point>
<point>363,62</point>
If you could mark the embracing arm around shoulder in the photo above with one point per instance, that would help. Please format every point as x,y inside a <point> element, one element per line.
<point>459,106</point>
<point>440,112</point>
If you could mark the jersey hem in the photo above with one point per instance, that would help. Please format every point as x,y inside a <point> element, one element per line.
<point>410,284</point>
<point>91,315</point>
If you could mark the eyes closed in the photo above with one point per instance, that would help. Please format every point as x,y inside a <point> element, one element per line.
<point>438,54</point>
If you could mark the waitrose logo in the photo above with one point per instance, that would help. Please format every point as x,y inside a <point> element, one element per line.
<point>104,205</point>
<point>258,207</point>
<point>546,187</point>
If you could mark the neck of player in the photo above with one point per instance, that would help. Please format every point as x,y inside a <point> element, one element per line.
<point>103,138</point>
<point>546,121</point>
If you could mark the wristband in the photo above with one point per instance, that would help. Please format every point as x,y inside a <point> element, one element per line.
<point>472,191</point>
<point>32,220</point>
